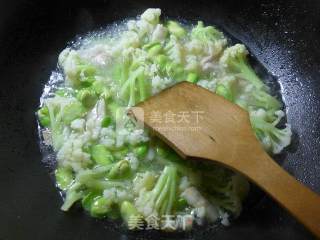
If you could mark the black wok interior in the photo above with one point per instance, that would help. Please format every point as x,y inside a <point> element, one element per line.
<point>284,36</point>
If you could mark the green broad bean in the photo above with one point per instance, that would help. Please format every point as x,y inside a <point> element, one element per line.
<point>101,155</point>
<point>100,207</point>
<point>141,150</point>
<point>64,178</point>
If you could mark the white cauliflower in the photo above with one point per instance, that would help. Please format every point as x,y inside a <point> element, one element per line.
<point>175,49</point>
<point>158,83</point>
<point>133,160</point>
<point>210,85</point>
<point>94,119</point>
<point>69,61</point>
<point>151,15</point>
<point>99,54</point>
<point>272,138</point>
<point>192,63</point>
<point>71,153</point>
<point>159,34</point>
<point>195,199</point>
<point>108,136</point>
<point>78,125</point>
<point>117,195</point>
<point>129,39</point>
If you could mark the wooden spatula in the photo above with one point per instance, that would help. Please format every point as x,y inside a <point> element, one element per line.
<point>201,125</point>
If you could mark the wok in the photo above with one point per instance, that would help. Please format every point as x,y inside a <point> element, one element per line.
<point>284,36</point>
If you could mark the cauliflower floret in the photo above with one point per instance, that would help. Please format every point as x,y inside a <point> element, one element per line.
<point>75,68</point>
<point>217,47</point>
<point>195,198</point>
<point>207,64</point>
<point>210,41</point>
<point>136,54</point>
<point>234,60</point>
<point>200,48</point>
<point>144,28</point>
<point>132,25</point>
<point>192,63</point>
<point>210,85</point>
<point>94,119</point>
<point>194,47</point>
<point>153,70</point>
<point>129,39</point>
<point>78,125</point>
<point>233,52</point>
<point>117,195</point>
<point>273,139</point>
<point>93,127</point>
<point>108,136</point>
<point>68,59</point>
<point>151,15</point>
<point>174,49</point>
<point>134,162</point>
<point>59,102</point>
<point>130,136</point>
<point>158,83</point>
<point>159,33</point>
<point>146,24</point>
<point>98,54</point>
<point>137,136</point>
<point>160,199</point>
<point>71,154</point>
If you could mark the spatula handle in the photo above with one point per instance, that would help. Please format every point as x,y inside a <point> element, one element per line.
<point>300,201</point>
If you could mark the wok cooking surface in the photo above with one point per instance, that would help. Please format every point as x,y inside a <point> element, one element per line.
<point>283,35</point>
